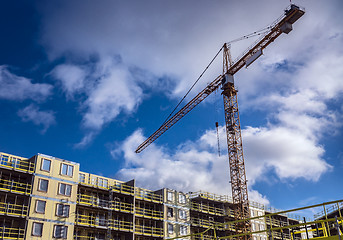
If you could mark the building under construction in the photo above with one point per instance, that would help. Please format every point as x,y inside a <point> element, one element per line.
<point>44,197</point>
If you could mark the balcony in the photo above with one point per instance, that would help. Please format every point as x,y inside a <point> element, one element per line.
<point>10,209</point>
<point>16,163</point>
<point>12,233</point>
<point>149,213</point>
<point>11,185</point>
<point>148,231</point>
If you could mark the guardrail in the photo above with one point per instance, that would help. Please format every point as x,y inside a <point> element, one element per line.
<point>317,229</point>
<point>16,163</point>
<point>15,186</point>
<point>13,209</point>
<point>12,233</point>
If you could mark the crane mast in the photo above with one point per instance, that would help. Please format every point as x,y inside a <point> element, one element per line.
<point>238,181</point>
<point>233,129</point>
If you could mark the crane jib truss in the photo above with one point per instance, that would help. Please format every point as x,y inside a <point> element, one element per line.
<point>232,121</point>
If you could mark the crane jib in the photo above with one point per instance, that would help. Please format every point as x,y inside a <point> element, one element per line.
<point>282,25</point>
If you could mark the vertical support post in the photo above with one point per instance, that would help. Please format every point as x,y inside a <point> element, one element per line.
<point>281,231</point>
<point>327,223</point>
<point>337,227</point>
<point>339,212</point>
<point>306,228</point>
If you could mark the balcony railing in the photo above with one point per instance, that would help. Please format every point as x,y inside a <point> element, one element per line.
<point>15,186</point>
<point>148,231</point>
<point>148,195</point>
<point>149,213</point>
<point>12,233</point>
<point>94,201</point>
<point>16,163</point>
<point>103,222</point>
<point>13,209</point>
<point>207,209</point>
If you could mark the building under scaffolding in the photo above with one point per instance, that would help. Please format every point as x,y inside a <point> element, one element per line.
<point>44,197</point>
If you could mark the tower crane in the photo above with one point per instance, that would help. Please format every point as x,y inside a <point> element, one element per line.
<point>233,129</point>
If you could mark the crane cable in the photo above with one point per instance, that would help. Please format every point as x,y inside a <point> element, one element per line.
<point>194,84</point>
<point>256,33</point>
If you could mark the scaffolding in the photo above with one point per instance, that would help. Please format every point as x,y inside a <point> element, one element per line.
<point>330,228</point>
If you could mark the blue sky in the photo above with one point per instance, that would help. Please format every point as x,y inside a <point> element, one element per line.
<point>88,81</point>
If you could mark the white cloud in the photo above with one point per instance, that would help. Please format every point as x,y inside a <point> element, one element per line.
<point>33,114</point>
<point>291,154</point>
<point>114,93</point>
<point>188,169</point>
<point>108,90</point>
<point>291,84</point>
<point>13,87</point>
<point>176,41</point>
<point>71,77</point>
<point>196,166</point>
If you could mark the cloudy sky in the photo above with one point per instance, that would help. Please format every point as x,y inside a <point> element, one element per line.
<point>88,81</point>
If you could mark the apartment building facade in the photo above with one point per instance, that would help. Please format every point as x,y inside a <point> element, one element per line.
<point>44,197</point>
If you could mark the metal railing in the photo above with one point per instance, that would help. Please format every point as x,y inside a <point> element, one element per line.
<point>317,229</point>
<point>148,231</point>
<point>12,233</point>
<point>13,209</point>
<point>103,222</point>
<point>15,186</point>
<point>148,213</point>
<point>16,163</point>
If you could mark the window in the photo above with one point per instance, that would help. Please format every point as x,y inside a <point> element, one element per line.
<point>37,229</point>
<point>43,185</point>
<point>102,182</point>
<point>182,214</point>
<point>40,206</point>
<point>67,169</point>
<point>253,226</point>
<point>60,231</point>
<point>101,220</point>
<point>183,230</point>
<point>252,213</point>
<point>170,228</point>
<point>105,183</point>
<point>170,212</point>
<point>182,198</point>
<point>62,210</point>
<point>82,177</point>
<point>64,189</point>
<point>261,227</point>
<point>46,164</point>
<point>94,180</point>
<point>170,196</point>
<point>259,213</point>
